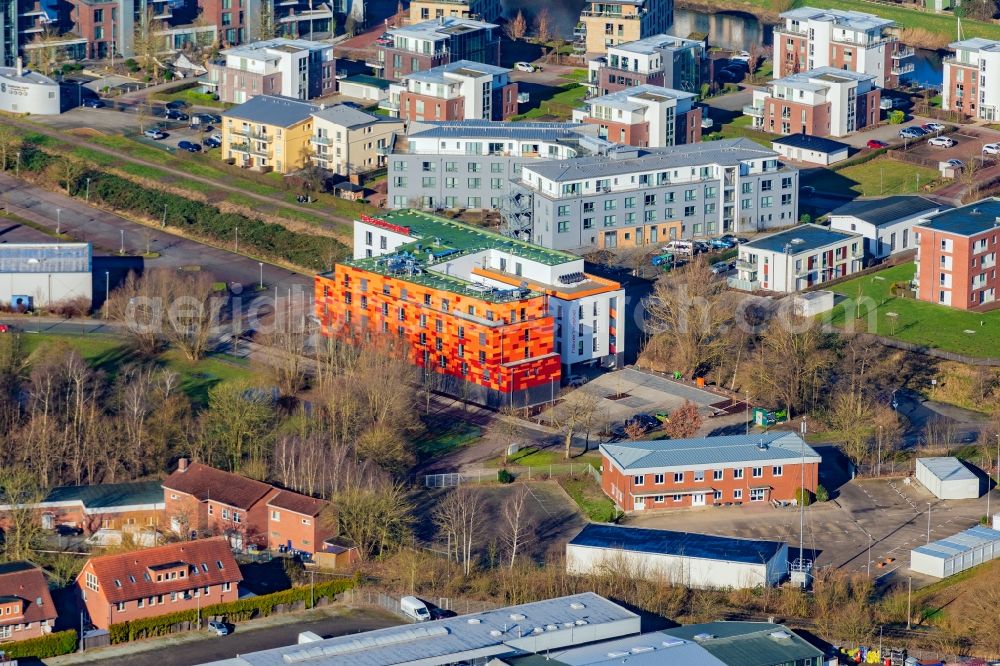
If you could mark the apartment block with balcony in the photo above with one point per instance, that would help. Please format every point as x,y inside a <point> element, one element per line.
<point>660,60</point>
<point>631,196</point>
<point>481,10</point>
<point>295,68</point>
<point>645,116</point>
<point>803,256</point>
<point>609,23</point>
<point>972,79</point>
<point>347,140</point>
<point>269,133</point>
<point>821,102</point>
<point>422,46</point>
<point>473,163</point>
<point>495,319</point>
<point>956,263</point>
<point>459,90</point>
<point>855,41</point>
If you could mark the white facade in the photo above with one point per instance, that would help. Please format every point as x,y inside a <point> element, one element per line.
<point>655,105</point>
<point>290,58</point>
<point>981,59</point>
<point>42,274</point>
<point>962,551</point>
<point>800,257</point>
<point>472,82</point>
<point>883,239</point>
<point>817,87</point>
<point>25,91</point>
<point>948,478</point>
<point>811,156</point>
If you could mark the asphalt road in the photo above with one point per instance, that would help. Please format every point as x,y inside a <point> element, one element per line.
<point>215,648</point>
<point>109,233</point>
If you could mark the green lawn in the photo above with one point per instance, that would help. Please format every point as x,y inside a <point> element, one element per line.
<point>877,177</point>
<point>534,457</point>
<point>917,322</point>
<point>560,105</point>
<point>108,354</point>
<point>597,506</point>
<point>438,441</point>
<point>191,96</point>
<point>741,126</point>
<point>577,75</point>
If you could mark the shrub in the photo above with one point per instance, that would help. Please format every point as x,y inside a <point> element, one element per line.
<point>805,218</point>
<point>803,497</point>
<point>168,75</point>
<point>503,476</point>
<point>896,117</point>
<point>44,647</point>
<point>822,495</point>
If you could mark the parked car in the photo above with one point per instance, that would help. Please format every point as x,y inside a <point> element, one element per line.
<point>956,164</point>
<point>174,114</point>
<point>189,146</point>
<point>721,244</point>
<point>642,422</point>
<point>807,190</point>
<point>211,143</point>
<point>680,247</point>
<point>664,259</point>
<point>415,609</point>
<point>218,628</point>
<point>177,104</point>
<point>720,267</point>
<point>93,103</point>
<point>991,149</point>
<point>942,142</point>
<point>576,381</point>
<point>933,127</point>
<point>524,67</point>
<point>875,144</point>
<point>911,133</point>
<point>700,246</point>
<point>154,134</point>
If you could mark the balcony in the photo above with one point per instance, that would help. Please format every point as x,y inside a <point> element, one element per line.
<point>580,30</point>
<point>612,15</point>
<point>251,134</point>
<point>322,140</point>
<point>903,52</point>
<point>239,147</point>
<point>900,70</point>
<point>742,285</point>
<point>755,111</point>
<point>744,265</point>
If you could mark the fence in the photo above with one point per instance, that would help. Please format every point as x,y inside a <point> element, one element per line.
<point>387,602</point>
<point>523,472</point>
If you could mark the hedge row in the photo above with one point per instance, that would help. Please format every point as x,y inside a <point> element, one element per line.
<point>202,219</point>
<point>234,611</point>
<point>43,647</point>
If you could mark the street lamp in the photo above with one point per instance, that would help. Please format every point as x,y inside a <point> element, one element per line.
<point>122,250</point>
<point>58,221</point>
<point>88,191</point>
<point>17,167</point>
<point>237,240</point>
<point>869,554</point>
<point>928,522</point>
<point>261,264</point>
<point>107,291</point>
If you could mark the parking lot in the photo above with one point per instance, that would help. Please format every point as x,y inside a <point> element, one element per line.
<point>969,143</point>
<point>889,514</point>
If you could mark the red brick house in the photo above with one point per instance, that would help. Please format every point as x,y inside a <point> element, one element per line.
<point>26,608</point>
<point>156,581</point>
<point>203,500</point>
<point>712,471</point>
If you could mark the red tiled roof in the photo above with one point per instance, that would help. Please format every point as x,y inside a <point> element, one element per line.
<point>296,503</point>
<point>25,581</point>
<point>126,576</point>
<point>204,483</point>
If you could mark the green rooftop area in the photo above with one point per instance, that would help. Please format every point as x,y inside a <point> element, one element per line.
<point>438,239</point>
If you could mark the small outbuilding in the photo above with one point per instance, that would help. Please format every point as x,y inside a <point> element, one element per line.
<point>962,551</point>
<point>45,274</point>
<point>364,87</point>
<point>948,478</point>
<point>811,149</point>
<point>694,560</point>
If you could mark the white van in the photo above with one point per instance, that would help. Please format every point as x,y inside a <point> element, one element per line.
<point>680,247</point>
<point>414,608</point>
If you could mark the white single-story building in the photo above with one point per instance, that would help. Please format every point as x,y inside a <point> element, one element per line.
<point>364,87</point>
<point>811,149</point>
<point>800,257</point>
<point>956,553</point>
<point>25,91</point>
<point>948,478</point>
<point>694,560</point>
<point>41,274</point>
<point>886,223</point>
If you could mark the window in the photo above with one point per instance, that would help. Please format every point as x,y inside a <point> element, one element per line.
<point>226,587</point>
<point>141,603</point>
<point>758,472</point>
<point>92,583</point>
<point>678,477</point>
<point>225,514</point>
<point>738,494</point>
<point>638,480</point>
<point>677,498</point>
<point>306,521</point>
<point>658,479</point>
<point>738,473</point>
<point>120,606</point>
<point>658,499</point>
<point>717,475</point>
<point>776,470</point>
<point>757,494</point>
<point>699,475</point>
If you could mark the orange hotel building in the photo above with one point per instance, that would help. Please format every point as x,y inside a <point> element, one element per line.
<point>711,471</point>
<point>498,320</point>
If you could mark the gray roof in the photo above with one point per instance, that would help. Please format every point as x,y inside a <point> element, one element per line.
<point>959,543</point>
<point>969,220</point>
<point>653,649</point>
<point>462,67</point>
<point>486,129</point>
<point>686,544</point>
<point>810,142</point>
<point>947,468</point>
<point>748,643</point>
<point>729,450</point>
<point>346,115</point>
<point>437,29</point>
<point>845,18</point>
<point>109,495</point>
<point>368,80</point>
<point>258,50</point>
<point>976,44</point>
<point>650,45</point>
<point>624,99</point>
<point>481,635</point>
<point>275,110</point>
<point>807,80</point>
<point>887,210</point>
<point>800,238</point>
<point>724,152</point>
<point>45,258</point>
<point>26,76</point>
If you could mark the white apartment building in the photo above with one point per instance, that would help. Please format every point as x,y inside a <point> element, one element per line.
<point>972,79</point>
<point>855,41</point>
<point>296,68</point>
<point>660,60</point>
<point>820,102</point>
<point>460,90</point>
<point>644,116</point>
<point>886,223</point>
<point>347,140</point>
<point>797,258</point>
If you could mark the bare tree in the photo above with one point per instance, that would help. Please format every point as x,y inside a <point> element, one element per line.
<point>543,26</point>
<point>573,414</point>
<point>266,26</point>
<point>793,361</point>
<point>19,492</point>
<point>10,143</point>
<point>516,527</point>
<point>517,27</point>
<point>145,42</point>
<point>375,516</point>
<point>192,313</point>
<point>44,53</point>
<point>684,421</point>
<point>285,363</point>
<point>460,520</point>
<point>239,424</point>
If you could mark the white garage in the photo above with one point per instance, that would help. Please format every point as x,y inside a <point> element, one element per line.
<point>694,560</point>
<point>966,549</point>
<point>948,478</point>
<point>42,274</point>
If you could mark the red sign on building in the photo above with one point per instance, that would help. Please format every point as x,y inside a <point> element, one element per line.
<point>389,226</point>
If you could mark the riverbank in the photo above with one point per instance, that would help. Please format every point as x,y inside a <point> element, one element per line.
<point>919,29</point>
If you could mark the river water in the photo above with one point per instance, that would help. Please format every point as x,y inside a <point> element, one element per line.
<point>730,30</point>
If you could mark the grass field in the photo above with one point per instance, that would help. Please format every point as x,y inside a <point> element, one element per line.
<point>577,75</point>
<point>560,105</point>
<point>597,506</point>
<point>741,127</point>
<point>917,322</point>
<point>877,177</point>
<point>191,96</point>
<point>534,457</point>
<point>108,354</point>
<point>440,440</point>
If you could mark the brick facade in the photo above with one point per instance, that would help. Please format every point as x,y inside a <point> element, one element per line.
<point>962,85</point>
